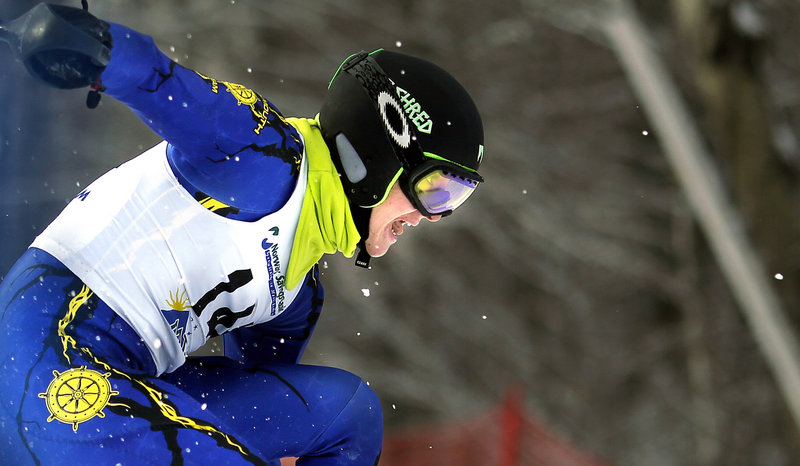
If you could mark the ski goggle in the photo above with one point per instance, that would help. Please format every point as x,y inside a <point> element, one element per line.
<point>437,188</point>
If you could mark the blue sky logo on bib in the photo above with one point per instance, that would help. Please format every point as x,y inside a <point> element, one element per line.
<point>178,315</point>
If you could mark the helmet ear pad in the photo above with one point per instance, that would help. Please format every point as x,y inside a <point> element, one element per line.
<point>352,165</point>
<point>348,110</point>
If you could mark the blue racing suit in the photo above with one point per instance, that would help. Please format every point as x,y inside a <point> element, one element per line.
<point>82,383</point>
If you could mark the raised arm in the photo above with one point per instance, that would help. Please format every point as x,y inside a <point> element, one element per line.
<point>225,140</point>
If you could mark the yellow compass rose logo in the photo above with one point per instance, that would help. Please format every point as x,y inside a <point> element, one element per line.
<point>77,395</point>
<point>243,95</point>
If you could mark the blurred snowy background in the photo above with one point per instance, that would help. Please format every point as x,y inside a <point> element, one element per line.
<point>578,271</point>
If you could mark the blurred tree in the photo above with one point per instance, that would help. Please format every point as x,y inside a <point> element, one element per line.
<point>725,45</point>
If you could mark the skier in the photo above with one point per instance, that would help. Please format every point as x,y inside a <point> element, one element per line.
<point>214,232</point>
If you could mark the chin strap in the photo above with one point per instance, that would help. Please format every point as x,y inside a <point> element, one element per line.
<point>360,214</point>
<point>363,257</point>
<point>361,219</point>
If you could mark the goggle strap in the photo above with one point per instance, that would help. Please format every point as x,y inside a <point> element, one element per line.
<point>374,80</point>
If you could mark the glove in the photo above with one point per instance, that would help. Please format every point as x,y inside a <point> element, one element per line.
<point>63,46</point>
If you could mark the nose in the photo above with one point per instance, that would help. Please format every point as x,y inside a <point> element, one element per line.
<point>434,218</point>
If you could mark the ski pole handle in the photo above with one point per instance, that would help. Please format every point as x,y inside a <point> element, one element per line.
<point>63,46</point>
<point>42,29</point>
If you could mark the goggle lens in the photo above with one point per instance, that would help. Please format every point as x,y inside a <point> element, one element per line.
<point>440,191</point>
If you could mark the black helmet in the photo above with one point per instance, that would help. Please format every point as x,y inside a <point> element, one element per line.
<point>390,117</point>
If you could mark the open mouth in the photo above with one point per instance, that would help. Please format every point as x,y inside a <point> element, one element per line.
<point>397,227</point>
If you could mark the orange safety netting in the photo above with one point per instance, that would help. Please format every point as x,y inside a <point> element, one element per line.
<point>503,436</point>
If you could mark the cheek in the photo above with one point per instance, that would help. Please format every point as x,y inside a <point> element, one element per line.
<point>376,220</point>
<point>395,206</point>
<point>383,214</point>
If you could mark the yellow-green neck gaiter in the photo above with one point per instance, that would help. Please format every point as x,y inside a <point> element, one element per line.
<point>326,223</point>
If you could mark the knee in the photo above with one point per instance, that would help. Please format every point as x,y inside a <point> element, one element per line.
<point>360,405</point>
<point>365,408</point>
<point>356,432</point>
